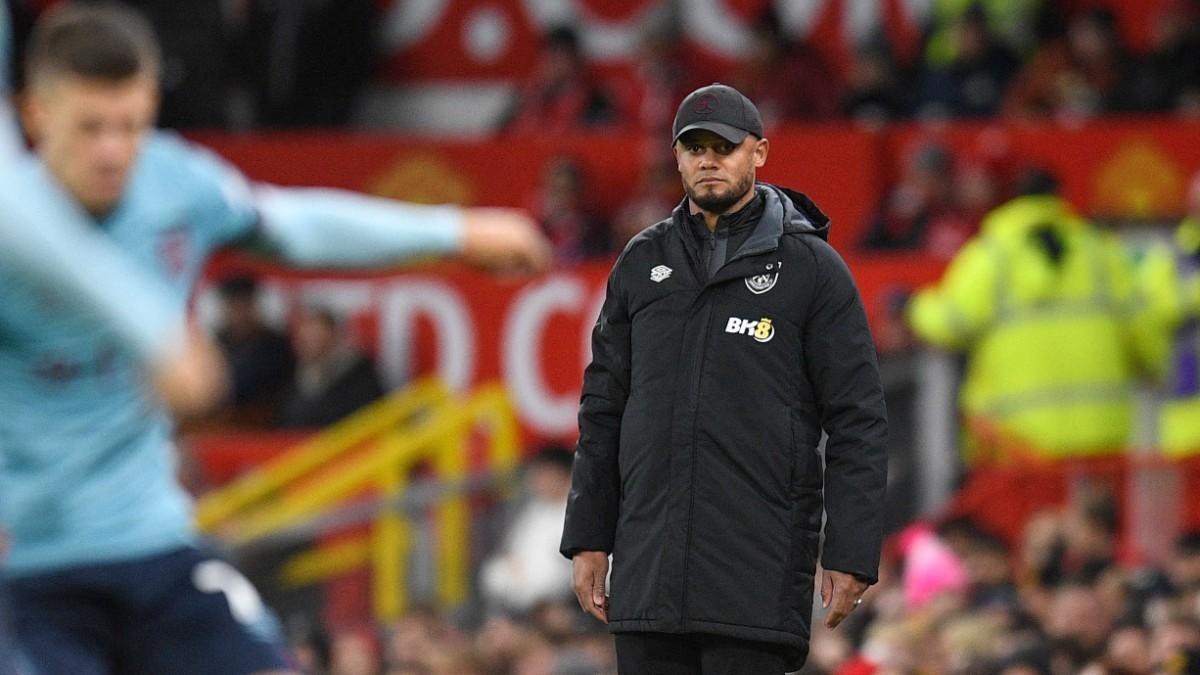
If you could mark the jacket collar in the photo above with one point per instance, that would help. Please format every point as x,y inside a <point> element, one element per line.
<point>727,223</point>
<point>782,210</point>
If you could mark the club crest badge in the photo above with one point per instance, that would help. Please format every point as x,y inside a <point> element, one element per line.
<point>658,274</point>
<point>761,283</point>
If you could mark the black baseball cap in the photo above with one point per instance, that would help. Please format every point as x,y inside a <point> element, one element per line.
<point>721,109</point>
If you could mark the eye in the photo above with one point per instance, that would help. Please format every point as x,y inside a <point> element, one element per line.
<point>694,148</point>
<point>90,125</point>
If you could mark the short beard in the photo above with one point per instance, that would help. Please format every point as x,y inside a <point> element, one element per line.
<point>721,203</point>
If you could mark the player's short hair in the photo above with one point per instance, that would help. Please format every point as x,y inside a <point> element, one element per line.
<point>95,41</point>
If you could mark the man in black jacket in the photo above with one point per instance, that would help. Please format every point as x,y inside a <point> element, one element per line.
<point>730,337</point>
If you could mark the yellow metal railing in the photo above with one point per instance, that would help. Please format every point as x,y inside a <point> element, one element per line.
<point>374,449</point>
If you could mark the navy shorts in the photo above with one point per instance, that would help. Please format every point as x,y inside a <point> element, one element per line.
<point>182,612</point>
<point>10,661</point>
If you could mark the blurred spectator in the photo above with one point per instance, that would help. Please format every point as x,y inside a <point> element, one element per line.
<point>354,652</point>
<point>1128,651</point>
<point>260,358</point>
<point>1077,625</point>
<point>501,641</point>
<point>1170,76</point>
<point>1169,323</point>
<point>1084,74</point>
<point>1175,645</point>
<point>973,82</point>
<point>918,213</point>
<point>787,81</point>
<point>1016,23</point>
<point>931,569</point>
<point>1083,545</point>
<point>311,651</point>
<point>874,92</point>
<point>526,569</point>
<point>989,571</point>
<point>304,63</point>
<point>1040,299</point>
<point>562,94</point>
<point>660,77</point>
<point>417,639</point>
<point>333,378</point>
<point>656,193</point>
<point>564,208</point>
<point>1183,568</point>
<point>1026,662</point>
<point>197,69</point>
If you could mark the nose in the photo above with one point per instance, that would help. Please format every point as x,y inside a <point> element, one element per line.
<point>708,160</point>
<point>114,148</point>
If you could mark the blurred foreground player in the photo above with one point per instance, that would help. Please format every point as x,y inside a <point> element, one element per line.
<point>78,270</point>
<point>103,567</point>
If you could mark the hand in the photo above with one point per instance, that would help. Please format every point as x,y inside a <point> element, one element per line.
<point>504,241</point>
<point>589,569</point>
<point>840,593</point>
<point>193,379</point>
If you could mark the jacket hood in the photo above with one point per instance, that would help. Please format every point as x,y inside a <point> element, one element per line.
<point>1019,215</point>
<point>799,213</point>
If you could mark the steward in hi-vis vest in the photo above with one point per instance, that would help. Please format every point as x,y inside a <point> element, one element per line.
<point>1041,301</point>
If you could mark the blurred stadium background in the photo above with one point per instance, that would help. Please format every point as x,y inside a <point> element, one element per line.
<point>382,538</point>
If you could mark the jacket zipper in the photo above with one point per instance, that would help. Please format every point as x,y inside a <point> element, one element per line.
<point>696,389</point>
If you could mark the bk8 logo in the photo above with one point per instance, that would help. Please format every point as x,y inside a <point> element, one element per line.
<point>762,330</point>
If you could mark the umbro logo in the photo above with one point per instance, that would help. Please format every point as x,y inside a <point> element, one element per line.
<point>658,274</point>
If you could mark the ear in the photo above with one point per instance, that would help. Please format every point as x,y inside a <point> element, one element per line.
<point>33,105</point>
<point>760,152</point>
<point>677,149</point>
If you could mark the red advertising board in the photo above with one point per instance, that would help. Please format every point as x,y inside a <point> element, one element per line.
<point>1124,169</point>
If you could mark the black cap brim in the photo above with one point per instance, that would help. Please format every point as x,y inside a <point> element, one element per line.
<point>731,134</point>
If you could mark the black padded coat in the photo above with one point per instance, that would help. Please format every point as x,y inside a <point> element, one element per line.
<point>701,413</point>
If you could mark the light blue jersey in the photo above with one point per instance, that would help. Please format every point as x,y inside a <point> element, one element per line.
<point>58,253</point>
<point>87,466</point>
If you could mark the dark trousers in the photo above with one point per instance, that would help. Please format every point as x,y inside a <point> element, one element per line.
<point>695,654</point>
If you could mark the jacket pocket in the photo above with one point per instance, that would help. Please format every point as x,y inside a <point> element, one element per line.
<point>807,472</point>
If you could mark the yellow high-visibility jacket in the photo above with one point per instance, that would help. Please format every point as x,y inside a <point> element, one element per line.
<point>1169,290</point>
<point>1052,353</point>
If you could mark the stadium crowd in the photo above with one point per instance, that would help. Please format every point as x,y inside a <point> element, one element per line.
<point>1064,597</point>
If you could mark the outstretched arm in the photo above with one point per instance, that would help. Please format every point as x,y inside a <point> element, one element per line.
<point>326,227</point>
<point>322,227</point>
